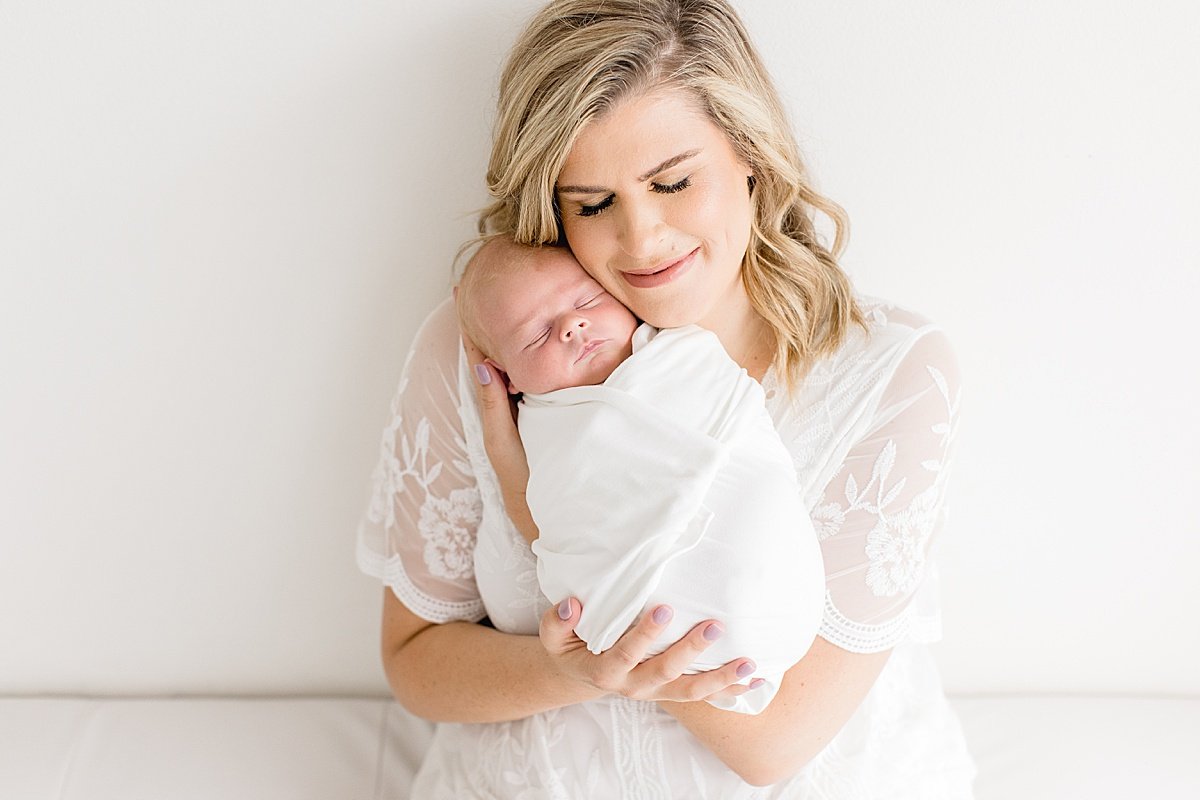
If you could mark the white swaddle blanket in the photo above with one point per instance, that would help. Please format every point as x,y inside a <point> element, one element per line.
<point>668,484</point>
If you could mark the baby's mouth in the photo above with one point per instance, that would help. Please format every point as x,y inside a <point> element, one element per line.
<point>588,348</point>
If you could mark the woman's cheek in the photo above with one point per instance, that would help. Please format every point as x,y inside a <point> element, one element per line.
<point>589,240</point>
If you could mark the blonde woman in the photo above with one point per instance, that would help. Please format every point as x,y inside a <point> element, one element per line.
<point>647,137</point>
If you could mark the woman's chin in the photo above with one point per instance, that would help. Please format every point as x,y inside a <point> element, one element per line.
<point>664,315</point>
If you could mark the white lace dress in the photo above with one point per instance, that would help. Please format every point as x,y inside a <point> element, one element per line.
<point>870,431</point>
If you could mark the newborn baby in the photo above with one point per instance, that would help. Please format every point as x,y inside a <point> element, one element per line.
<point>655,473</point>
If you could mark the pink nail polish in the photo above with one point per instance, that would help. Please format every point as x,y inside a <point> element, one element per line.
<point>712,632</point>
<point>482,375</point>
<point>746,670</point>
<point>757,682</point>
<point>662,615</point>
<point>564,609</point>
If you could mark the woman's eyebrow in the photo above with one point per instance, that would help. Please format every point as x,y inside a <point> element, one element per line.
<point>666,165</point>
<point>663,167</point>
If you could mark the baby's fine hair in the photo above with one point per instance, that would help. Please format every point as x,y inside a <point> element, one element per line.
<point>494,257</point>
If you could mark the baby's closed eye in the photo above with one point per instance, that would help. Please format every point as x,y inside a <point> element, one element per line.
<point>541,337</point>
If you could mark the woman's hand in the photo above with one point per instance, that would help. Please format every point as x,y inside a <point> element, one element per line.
<point>621,670</point>
<point>498,412</point>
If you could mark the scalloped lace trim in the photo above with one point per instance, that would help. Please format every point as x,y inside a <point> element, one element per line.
<point>859,637</point>
<point>391,572</point>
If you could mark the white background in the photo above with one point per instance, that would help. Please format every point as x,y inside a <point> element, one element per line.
<point>221,223</point>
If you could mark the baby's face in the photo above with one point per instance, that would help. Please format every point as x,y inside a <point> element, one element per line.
<point>553,326</point>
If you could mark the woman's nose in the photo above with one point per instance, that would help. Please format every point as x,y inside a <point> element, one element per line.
<point>641,231</point>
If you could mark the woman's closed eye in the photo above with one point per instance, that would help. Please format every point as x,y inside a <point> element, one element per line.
<point>660,188</point>
<point>672,188</point>
<point>591,211</point>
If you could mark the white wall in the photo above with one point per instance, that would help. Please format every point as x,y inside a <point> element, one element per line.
<point>220,226</point>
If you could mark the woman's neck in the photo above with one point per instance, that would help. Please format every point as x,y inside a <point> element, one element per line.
<point>745,335</point>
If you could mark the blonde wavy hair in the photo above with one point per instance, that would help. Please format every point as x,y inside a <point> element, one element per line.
<point>577,59</point>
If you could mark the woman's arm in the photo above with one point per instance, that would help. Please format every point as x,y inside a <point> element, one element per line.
<point>818,695</point>
<point>457,670</point>
<point>465,672</point>
<point>815,699</point>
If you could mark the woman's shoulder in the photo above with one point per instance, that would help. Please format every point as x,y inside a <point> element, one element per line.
<point>892,319</point>
<point>436,346</point>
<point>440,326</point>
<point>866,359</point>
<point>892,331</point>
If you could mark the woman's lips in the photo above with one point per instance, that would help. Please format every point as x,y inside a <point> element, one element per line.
<point>657,276</point>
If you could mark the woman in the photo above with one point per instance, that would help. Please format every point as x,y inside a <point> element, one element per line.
<point>646,135</point>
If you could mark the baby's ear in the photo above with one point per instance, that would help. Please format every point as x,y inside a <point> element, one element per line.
<point>508,385</point>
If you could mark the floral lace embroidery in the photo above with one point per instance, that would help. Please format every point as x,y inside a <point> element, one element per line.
<point>388,478</point>
<point>448,527</point>
<point>514,754</point>
<point>638,750</point>
<point>897,546</point>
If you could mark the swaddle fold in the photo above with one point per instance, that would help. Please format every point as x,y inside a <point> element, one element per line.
<point>668,483</point>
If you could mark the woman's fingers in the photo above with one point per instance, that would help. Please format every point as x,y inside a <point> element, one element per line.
<point>636,642</point>
<point>496,411</point>
<point>727,681</point>
<point>661,677</point>
<point>672,662</point>
<point>490,386</point>
<point>501,440</point>
<point>621,668</point>
<point>738,689</point>
<point>557,628</point>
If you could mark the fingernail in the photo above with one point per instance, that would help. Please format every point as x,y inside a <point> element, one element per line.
<point>713,632</point>
<point>757,682</point>
<point>746,670</point>
<point>661,615</point>
<point>564,609</point>
<point>482,375</point>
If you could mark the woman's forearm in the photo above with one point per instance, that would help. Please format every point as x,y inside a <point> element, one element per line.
<point>463,672</point>
<point>818,695</point>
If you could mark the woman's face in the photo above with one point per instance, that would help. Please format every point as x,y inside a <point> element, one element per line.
<point>656,206</point>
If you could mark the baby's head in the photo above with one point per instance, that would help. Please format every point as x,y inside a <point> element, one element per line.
<point>540,319</point>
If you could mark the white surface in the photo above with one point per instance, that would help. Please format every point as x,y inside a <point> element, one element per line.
<point>130,749</point>
<point>222,224</point>
<point>1051,748</point>
<point>1032,748</point>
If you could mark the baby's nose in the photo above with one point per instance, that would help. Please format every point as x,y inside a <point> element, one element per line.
<point>569,330</point>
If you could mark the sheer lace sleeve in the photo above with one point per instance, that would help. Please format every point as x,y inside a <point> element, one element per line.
<point>418,533</point>
<point>882,511</point>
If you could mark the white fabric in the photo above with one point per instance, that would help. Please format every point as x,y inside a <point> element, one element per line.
<point>869,430</point>
<point>669,484</point>
<point>315,748</point>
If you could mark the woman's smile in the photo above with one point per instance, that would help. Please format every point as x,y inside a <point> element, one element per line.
<point>662,274</point>
<point>655,204</point>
